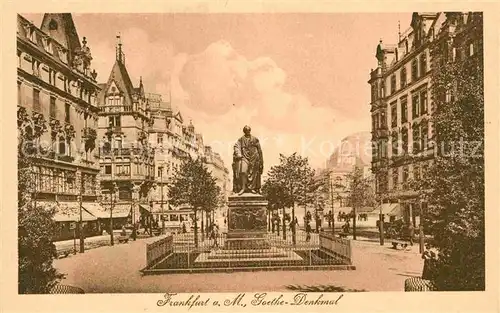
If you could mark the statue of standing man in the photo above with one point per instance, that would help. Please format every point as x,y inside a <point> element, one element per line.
<point>247,164</point>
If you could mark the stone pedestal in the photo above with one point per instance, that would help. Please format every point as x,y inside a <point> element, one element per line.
<point>247,222</point>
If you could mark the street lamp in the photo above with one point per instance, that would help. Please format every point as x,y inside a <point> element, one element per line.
<point>113,191</point>
<point>332,216</point>
<point>161,167</point>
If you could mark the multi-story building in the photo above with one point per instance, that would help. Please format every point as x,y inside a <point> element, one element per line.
<point>175,142</point>
<point>401,103</point>
<point>126,157</point>
<point>215,165</point>
<point>58,113</point>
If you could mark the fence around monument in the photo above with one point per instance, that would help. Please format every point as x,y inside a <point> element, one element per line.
<point>310,251</point>
<point>159,250</point>
<point>337,246</point>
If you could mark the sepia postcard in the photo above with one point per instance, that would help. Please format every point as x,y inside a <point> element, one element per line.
<point>258,156</point>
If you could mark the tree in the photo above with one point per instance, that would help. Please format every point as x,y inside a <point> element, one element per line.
<point>308,187</point>
<point>194,185</point>
<point>36,226</point>
<point>292,175</point>
<point>277,196</point>
<point>453,185</point>
<point>360,193</point>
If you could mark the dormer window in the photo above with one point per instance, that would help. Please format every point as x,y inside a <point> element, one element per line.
<point>32,34</point>
<point>53,25</point>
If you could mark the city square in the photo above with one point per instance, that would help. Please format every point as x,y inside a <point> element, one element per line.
<point>214,169</point>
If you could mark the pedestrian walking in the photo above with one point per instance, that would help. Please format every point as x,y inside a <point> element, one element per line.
<point>308,231</point>
<point>214,234</point>
<point>411,233</point>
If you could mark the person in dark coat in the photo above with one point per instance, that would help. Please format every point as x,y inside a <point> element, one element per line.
<point>308,231</point>
<point>411,233</point>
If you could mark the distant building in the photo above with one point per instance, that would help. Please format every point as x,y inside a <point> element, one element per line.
<point>57,97</point>
<point>216,167</point>
<point>174,143</point>
<point>401,102</point>
<point>354,150</point>
<point>126,157</point>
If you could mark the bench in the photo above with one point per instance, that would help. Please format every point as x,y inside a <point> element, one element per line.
<point>343,235</point>
<point>123,239</point>
<point>65,289</point>
<point>402,243</point>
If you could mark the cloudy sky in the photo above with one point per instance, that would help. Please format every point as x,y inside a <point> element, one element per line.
<point>299,80</point>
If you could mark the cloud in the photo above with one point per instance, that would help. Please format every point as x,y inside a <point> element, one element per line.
<point>153,60</point>
<point>227,91</point>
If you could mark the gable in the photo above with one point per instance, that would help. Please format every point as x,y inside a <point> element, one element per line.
<point>178,116</point>
<point>113,88</point>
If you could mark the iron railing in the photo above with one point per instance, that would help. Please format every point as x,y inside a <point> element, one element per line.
<point>268,250</point>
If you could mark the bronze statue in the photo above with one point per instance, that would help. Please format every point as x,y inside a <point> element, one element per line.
<point>248,164</point>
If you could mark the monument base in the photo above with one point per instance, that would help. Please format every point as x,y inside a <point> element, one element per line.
<point>247,227</point>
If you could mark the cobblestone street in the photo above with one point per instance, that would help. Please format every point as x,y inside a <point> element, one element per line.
<point>116,270</point>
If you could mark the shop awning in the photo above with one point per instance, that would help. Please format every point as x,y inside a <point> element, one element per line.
<point>103,211</point>
<point>391,209</point>
<point>145,208</point>
<point>68,211</point>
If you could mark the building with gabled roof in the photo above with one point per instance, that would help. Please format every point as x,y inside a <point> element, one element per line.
<point>57,110</point>
<point>126,156</point>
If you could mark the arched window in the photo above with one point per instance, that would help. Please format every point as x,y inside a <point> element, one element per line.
<point>423,63</point>
<point>403,77</point>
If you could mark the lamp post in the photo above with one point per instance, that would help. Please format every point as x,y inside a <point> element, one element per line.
<point>332,217</point>
<point>113,191</point>
<point>82,240</point>
<point>161,203</point>
<point>381,222</point>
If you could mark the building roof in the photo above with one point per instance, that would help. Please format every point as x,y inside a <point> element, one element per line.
<point>61,27</point>
<point>120,78</point>
<point>357,146</point>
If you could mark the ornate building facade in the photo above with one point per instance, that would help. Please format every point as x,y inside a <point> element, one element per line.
<point>175,142</point>
<point>215,165</point>
<point>57,118</point>
<point>401,104</point>
<point>126,158</point>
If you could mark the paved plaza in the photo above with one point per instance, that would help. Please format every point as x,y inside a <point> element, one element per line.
<point>116,270</point>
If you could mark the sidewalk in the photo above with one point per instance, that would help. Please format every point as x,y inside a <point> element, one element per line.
<point>116,270</point>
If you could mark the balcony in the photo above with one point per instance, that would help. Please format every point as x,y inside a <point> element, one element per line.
<point>118,152</point>
<point>381,132</point>
<point>116,109</point>
<point>125,177</point>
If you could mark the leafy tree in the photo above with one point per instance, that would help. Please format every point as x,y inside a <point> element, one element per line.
<point>276,195</point>
<point>308,188</point>
<point>453,185</point>
<point>194,185</point>
<point>36,226</point>
<point>292,175</point>
<point>360,193</point>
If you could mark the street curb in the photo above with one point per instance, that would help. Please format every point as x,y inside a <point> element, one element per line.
<point>146,272</point>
